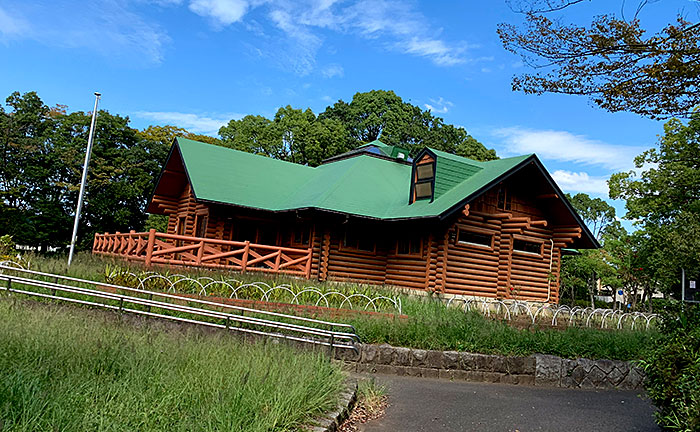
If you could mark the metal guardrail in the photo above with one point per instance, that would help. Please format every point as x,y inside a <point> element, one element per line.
<point>276,325</point>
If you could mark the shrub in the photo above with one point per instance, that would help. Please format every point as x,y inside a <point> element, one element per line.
<point>673,369</point>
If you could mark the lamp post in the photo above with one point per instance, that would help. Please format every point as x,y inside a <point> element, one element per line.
<point>83,180</point>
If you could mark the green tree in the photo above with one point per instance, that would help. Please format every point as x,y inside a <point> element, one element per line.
<point>580,273</point>
<point>595,212</point>
<point>28,202</point>
<point>382,115</point>
<point>664,197</point>
<point>613,61</point>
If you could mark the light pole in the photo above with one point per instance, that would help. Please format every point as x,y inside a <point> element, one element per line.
<point>83,180</point>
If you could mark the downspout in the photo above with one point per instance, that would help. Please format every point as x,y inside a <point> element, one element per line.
<point>549,279</point>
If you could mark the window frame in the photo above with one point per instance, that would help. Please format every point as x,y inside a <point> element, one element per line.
<point>507,199</point>
<point>410,242</point>
<point>528,240</point>
<point>475,230</point>
<point>431,180</point>
<point>301,229</point>
<point>343,246</point>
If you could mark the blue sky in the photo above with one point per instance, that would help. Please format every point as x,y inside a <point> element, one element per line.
<point>199,63</point>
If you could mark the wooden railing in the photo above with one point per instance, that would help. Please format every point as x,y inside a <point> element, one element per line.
<point>159,248</point>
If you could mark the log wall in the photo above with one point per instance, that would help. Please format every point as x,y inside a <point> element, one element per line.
<point>410,271</point>
<point>347,263</point>
<point>444,264</point>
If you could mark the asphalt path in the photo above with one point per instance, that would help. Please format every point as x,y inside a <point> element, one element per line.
<point>422,404</point>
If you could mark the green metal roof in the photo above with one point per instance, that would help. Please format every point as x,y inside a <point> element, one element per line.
<point>363,185</point>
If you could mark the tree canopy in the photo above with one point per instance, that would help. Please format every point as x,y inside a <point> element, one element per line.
<point>613,60</point>
<point>303,137</point>
<point>42,150</point>
<point>663,196</point>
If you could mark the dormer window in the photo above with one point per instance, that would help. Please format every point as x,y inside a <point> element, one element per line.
<point>423,184</point>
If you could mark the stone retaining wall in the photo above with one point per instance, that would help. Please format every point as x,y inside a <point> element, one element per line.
<point>538,369</point>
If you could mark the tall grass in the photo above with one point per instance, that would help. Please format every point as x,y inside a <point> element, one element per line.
<point>62,371</point>
<point>428,324</point>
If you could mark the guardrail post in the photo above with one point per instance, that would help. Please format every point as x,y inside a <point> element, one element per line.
<point>149,247</point>
<point>330,348</point>
<point>244,258</point>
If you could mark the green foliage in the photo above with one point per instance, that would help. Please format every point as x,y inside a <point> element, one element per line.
<point>614,61</point>
<point>664,196</point>
<point>43,151</point>
<point>300,136</point>
<point>382,115</point>
<point>428,323</point>
<point>156,222</point>
<point>7,246</point>
<point>672,368</point>
<point>67,369</point>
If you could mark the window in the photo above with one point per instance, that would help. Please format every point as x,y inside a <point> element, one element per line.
<point>410,246</point>
<point>356,240</point>
<point>503,199</point>
<point>301,236</point>
<point>424,172</point>
<point>424,190</point>
<point>423,178</point>
<point>475,238</point>
<point>527,246</point>
<point>201,225</point>
<point>245,230</point>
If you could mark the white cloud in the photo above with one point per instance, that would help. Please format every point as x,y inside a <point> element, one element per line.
<point>435,49</point>
<point>197,123</point>
<point>567,147</point>
<point>333,70</point>
<point>222,12</point>
<point>573,182</point>
<point>395,24</point>
<point>439,106</point>
<point>108,27</point>
<point>12,25</point>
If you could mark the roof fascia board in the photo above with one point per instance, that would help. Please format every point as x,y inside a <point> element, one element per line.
<point>162,169</point>
<point>534,159</point>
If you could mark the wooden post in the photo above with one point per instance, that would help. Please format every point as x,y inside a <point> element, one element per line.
<point>200,252</point>
<point>244,258</point>
<point>149,247</point>
<point>308,264</point>
<point>277,260</point>
<point>94,243</point>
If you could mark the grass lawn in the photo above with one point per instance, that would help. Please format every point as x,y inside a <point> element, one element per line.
<point>63,370</point>
<point>429,323</point>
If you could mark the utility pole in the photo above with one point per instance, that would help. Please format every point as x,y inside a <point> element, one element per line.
<point>83,180</point>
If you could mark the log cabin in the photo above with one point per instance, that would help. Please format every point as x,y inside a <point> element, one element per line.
<point>436,222</point>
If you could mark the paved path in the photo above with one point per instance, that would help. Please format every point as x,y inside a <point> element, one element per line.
<point>422,404</point>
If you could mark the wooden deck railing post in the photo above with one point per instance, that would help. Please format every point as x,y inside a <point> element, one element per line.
<point>308,264</point>
<point>200,252</point>
<point>277,260</point>
<point>149,247</point>
<point>244,258</point>
<point>94,243</point>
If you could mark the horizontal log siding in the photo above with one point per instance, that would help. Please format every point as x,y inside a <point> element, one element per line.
<point>407,270</point>
<point>472,270</point>
<point>345,263</point>
<point>529,273</point>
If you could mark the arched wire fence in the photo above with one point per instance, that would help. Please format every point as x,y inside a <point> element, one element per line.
<point>556,315</point>
<point>261,291</point>
<point>530,312</point>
